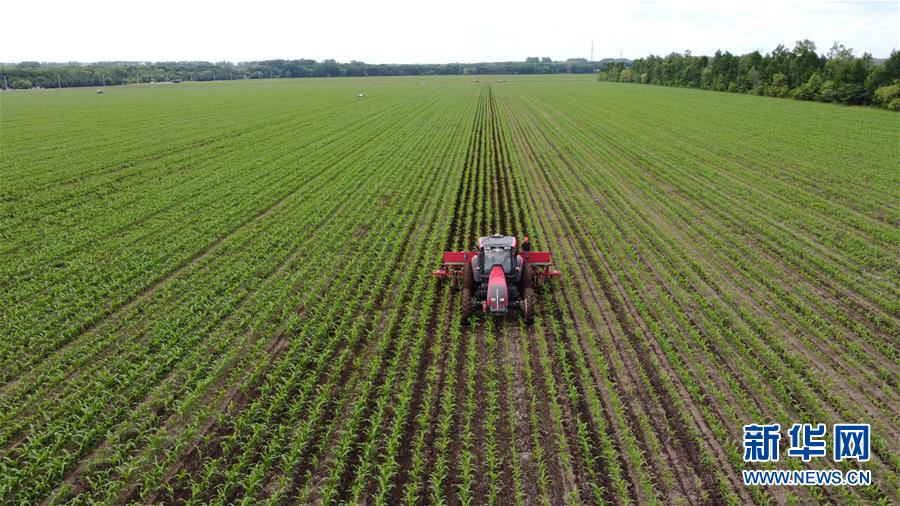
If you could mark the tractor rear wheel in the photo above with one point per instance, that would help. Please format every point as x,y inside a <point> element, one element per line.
<point>467,307</point>
<point>468,280</point>
<point>528,305</point>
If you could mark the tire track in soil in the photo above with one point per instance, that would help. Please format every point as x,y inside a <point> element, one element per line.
<point>513,194</point>
<point>843,300</point>
<point>515,394</point>
<point>279,418</point>
<point>696,156</point>
<point>510,224</point>
<point>585,412</point>
<point>622,309</point>
<point>750,296</point>
<point>405,253</point>
<point>562,485</point>
<point>484,196</point>
<point>477,201</point>
<point>458,237</point>
<point>424,362</point>
<point>689,314</point>
<point>766,251</point>
<point>163,410</point>
<point>404,454</point>
<point>480,485</point>
<point>777,493</point>
<point>629,382</point>
<point>862,310</point>
<point>271,352</point>
<point>666,288</point>
<point>455,236</point>
<point>116,313</point>
<point>636,398</point>
<point>500,188</point>
<point>653,374</point>
<point>444,290</point>
<point>240,401</point>
<point>715,292</point>
<point>115,317</point>
<point>757,244</point>
<point>521,402</point>
<point>573,411</point>
<point>368,325</point>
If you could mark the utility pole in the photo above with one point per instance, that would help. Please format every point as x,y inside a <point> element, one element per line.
<point>58,81</point>
<point>5,86</point>
<point>592,51</point>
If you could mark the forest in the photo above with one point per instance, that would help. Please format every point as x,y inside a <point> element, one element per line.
<point>29,74</point>
<point>836,76</point>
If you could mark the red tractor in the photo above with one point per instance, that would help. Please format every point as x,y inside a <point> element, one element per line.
<point>498,276</point>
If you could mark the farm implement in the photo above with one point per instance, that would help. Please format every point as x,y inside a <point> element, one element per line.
<point>498,276</point>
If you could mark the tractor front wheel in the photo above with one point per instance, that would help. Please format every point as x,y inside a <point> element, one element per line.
<point>528,305</point>
<point>527,280</point>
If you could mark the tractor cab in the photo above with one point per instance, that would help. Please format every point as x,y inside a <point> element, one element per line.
<point>497,272</point>
<point>498,250</point>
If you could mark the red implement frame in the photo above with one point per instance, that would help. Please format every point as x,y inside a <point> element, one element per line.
<point>540,262</point>
<point>453,263</point>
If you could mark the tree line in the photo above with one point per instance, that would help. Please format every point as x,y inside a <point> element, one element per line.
<point>836,76</point>
<point>62,75</point>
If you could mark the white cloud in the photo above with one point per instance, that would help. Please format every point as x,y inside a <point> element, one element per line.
<point>415,31</point>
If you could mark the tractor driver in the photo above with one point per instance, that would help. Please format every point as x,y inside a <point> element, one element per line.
<point>526,244</point>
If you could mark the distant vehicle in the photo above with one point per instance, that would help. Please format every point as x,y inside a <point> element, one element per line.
<point>176,81</point>
<point>99,92</point>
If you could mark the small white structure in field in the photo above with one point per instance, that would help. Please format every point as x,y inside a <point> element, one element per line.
<point>360,95</point>
<point>99,92</point>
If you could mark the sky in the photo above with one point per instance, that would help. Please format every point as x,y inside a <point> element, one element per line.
<point>423,31</point>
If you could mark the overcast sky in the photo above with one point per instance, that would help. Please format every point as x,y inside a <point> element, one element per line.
<point>423,31</point>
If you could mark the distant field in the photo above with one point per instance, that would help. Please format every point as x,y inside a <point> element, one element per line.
<point>221,292</point>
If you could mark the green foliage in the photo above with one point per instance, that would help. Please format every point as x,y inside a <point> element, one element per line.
<point>21,84</point>
<point>838,76</point>
<point>810,90</point>
<point>889,96</point>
